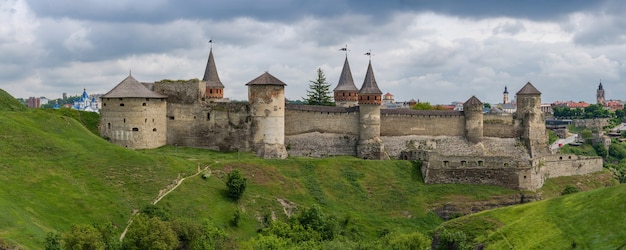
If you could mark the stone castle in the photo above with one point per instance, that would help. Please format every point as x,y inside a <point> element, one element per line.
<point>453,146</point>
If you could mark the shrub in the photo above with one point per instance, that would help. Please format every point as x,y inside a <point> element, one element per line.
<point>569,189</point>
<point>236,185</point>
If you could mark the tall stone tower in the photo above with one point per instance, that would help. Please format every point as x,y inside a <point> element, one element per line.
<point>600,95</point>
<point>214,87</point>
<point>370,146</point>
<point>532,120</point>
<point>266,95</point>
<point>134,116</point>
<point>505,96</point>
<point>346,93</point>
<point>473,110</point>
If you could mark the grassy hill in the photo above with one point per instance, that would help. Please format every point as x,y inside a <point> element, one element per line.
<point>589,220</point>
<point>56,172</point>
<point>9,103</point>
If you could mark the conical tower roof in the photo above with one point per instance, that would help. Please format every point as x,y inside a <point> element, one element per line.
<point>369,83</point>
<point>346,83</point>
<point>130,87</point>
<point>210,73</point>
<point>266,79</point>
<point>473,101</point>
<point>528,89</point>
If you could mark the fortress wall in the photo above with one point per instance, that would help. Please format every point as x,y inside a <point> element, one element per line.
<point>139,123</point>
<point>181,91</point>
<point>316,144</point>
<point>503,126</point>
<point>422,124</point>
<point>568,164</point>
<point>217,126</point>
<point>307,121</point>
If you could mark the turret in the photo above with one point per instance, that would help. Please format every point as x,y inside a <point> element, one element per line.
<point>266,95</point>
<point>473,110</point>
<point>214,87</point>
<point>346,93</point>
<point>370,145</point>
<point>532,120</point>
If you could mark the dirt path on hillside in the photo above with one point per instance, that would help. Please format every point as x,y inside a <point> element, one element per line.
<point>162,193</point>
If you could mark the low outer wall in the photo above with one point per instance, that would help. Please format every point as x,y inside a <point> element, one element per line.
<point>302,119</point>
<point>566,165</point>
<point>503,126</point>
<point>317,144</point>
<point>399,122</point>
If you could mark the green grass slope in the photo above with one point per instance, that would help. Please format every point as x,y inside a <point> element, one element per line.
<point>9,103</point>
<point>55,173</point>
<point>589,220</point>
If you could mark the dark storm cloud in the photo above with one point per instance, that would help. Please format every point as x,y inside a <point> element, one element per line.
<point>289,10</point>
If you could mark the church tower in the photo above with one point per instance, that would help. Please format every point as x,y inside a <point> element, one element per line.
<point>214,87</point>
<point>370,146</point>
<point>600,95</point>
<point>473,110</point>
<point>266,95</point>
<point>346,93</point>
<point>505,96</point>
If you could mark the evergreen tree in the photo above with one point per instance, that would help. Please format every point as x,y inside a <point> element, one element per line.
<point>319,91</point>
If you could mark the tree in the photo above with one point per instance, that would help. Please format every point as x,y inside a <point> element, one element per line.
<point>150,233</point>
<point>427,106</point>
<point>83,237</point>
<point>236,184</point>
<point>319,91</point>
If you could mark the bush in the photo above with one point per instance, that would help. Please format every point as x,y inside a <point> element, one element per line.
<point>236,218</point>
<point>569,189</point>
<point>236,185</point>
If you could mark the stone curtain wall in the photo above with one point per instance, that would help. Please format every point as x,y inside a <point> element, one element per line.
<point>217,126</point>
<point>316,144</point>
<point>401,122</point>
<point>567,164</point>
<point>304,119</point>
<point>182,91</point>
<point>502,126</point>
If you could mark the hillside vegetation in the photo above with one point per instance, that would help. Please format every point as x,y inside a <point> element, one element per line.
<point>55,172</point>
<point>9,103</point>
<point>588,220</point>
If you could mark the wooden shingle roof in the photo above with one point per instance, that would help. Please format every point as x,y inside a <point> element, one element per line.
<point>266,79</point>
<point>369,83</point>
<point>211,77</point>
<point>346,83</point>
<point>528,89</point>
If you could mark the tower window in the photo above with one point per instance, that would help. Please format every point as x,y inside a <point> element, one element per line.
<point>144,104</point>
<point>480,163</point>
<point>104,104</point>
<point>109,125</point>
<point>446,163</point>
<point>124,120</point>
<point>208,116</point>
<point>463,163</point>
<point>121,105</point>
<point>154,130</point>
<point>135,129</point>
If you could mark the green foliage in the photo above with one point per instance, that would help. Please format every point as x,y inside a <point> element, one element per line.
<point>156,211</point>
<point>551,137</point>
<point>236,185</point>
<point>53,241</point>
<point>149,233</point>
<point>589,112</point>
<point>9,103</point>
<point>600,149</point>
<point>83,237</point>
<point>319,91</point>
<point>236,218</point>
<point>314,219</point>
<point>570,189</point>
<point>205,235</point>
<point>399,241</point>
<point>451,240</point>
<point>427,106</point>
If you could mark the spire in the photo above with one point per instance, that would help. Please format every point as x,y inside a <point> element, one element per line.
<point>210,73</point>
<point>600,86</point>
<point>346,82</point>
<point>369,83</point>
<point>505,90</point>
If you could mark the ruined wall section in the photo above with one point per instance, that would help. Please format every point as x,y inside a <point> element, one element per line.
<point>181,91</point>
<point>216,126</point>
<point>502,126</point>
<point>402,122</point>
<point>267,110</point>
<point>569,164</point>
<point>134,122</point>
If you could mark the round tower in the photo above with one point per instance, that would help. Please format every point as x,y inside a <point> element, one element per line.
<point>133,116</point>
<point>473,110</point>
<point>532,120</point>
<point>266,95</point>
<point>370,146</point>
<point>214,87</point>
<point>346,93</point>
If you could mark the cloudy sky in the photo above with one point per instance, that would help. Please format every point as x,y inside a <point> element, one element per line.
<point>437,51</point>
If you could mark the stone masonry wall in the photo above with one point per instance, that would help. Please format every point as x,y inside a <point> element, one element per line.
<point>134,122</point>
<point>316,144</point>
<point>503,126</point>
<point>568,164</point>
<point>418,122</point>
<point>304,119</point>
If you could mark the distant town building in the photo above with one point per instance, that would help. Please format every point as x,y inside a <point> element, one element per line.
<point>600,95</point>
<point>34,102</point>
<point>388,98</point>
<point>505,96</point>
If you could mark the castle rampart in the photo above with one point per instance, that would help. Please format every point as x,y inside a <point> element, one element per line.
<point>400,122</point>
<point>301,119</point>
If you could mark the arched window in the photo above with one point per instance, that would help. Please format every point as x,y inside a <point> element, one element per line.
<point>135,129</point>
